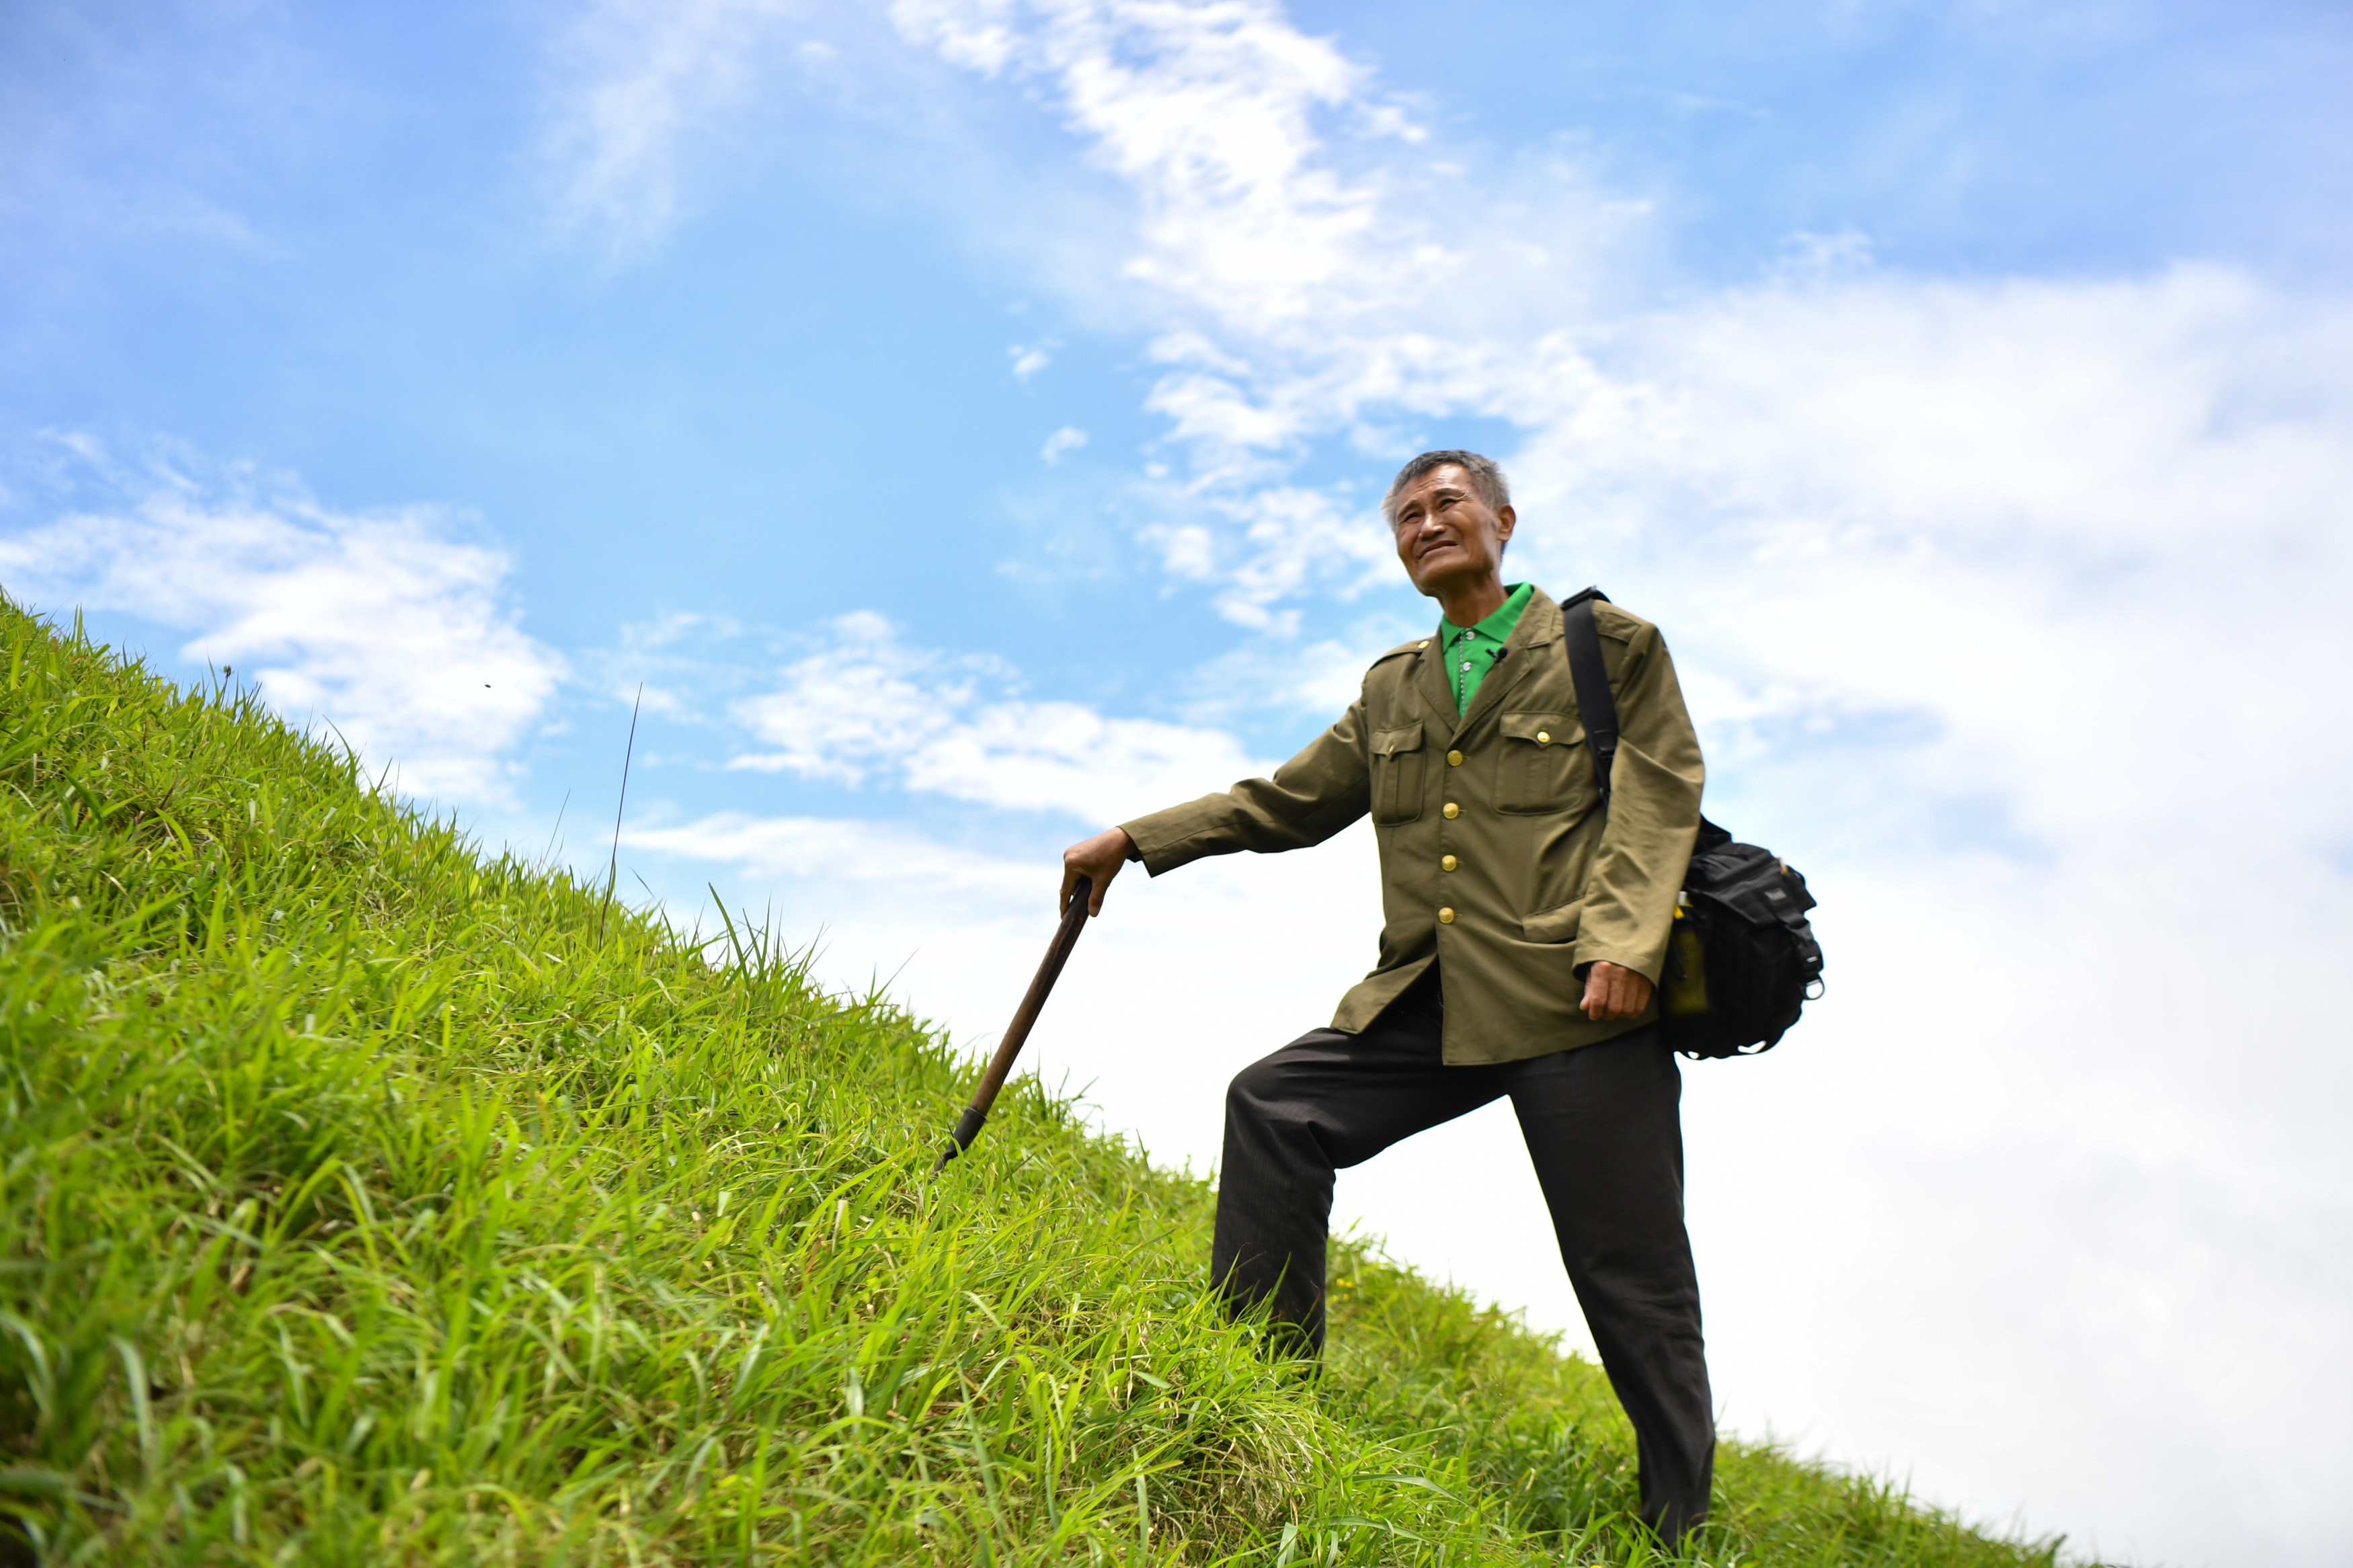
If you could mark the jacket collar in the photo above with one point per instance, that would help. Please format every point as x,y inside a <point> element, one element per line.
<point>1539,624</point>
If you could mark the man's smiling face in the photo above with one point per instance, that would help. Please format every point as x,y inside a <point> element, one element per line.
<point>1446,535</point>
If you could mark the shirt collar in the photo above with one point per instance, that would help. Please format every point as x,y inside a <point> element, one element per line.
<point>1498,625</point>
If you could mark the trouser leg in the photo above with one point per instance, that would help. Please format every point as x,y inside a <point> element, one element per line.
<point>1324,1102</point>
<point>1603,1126</point>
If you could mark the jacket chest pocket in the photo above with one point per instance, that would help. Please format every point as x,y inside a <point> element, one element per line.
<point>1541,767</point>
<point>1396,774</point>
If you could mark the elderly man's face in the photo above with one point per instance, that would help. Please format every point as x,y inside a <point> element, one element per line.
<point>1446,535</point>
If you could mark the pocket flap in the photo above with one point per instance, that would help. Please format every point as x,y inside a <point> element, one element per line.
<point>1555,924</point>
<point>1390,743</point>
<point>1543,729</point>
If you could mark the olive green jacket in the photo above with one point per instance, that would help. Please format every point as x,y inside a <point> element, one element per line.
<point>1495,858</point>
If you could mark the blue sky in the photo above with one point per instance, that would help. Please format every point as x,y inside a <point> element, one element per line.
<point>965,418</point>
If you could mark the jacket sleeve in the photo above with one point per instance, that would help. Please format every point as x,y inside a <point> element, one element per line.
<point>1646,843</point>
<point>1310,797</point>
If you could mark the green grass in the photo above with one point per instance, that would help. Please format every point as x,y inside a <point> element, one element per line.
<point>368,1198</point>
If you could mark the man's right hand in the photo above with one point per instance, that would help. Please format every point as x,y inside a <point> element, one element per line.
<point>1099,858</point>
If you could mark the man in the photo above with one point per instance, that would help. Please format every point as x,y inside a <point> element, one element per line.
<point>1526,924</point>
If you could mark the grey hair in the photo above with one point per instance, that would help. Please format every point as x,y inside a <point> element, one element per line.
<point>1486,477</point>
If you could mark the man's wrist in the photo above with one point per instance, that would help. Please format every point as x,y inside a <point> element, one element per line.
<point>1632,963</point>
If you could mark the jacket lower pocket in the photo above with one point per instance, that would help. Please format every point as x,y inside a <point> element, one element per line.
<point>1553,925</point>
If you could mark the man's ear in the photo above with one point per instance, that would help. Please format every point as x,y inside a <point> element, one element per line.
<point>1505,520</point>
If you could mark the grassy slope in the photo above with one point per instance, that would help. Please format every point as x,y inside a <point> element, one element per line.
<point>369,1199</point>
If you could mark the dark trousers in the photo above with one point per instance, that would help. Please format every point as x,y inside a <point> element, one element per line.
<point>1603,1126</point>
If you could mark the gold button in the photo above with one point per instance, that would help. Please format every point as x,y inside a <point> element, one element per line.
<point>1423,643</point>
<point>1452,810</point>
<point>1453,758</point>
<point>1543,737</point>
<point>1446,917</point>
<point>1449,863</point>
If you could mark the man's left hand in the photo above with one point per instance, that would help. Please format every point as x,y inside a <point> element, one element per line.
<point>1614,993</point>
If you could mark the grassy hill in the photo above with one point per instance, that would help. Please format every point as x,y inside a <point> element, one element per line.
<point>367,1198</point>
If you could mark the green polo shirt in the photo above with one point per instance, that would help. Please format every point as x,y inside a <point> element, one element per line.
<point>1471,651</point>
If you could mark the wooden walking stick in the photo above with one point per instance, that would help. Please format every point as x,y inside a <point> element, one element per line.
<point>976,1115</point>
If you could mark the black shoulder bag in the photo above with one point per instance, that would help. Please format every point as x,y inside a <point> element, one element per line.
<point>1743,962</point>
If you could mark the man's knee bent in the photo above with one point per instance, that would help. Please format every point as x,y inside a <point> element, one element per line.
<point>1255,1093</point>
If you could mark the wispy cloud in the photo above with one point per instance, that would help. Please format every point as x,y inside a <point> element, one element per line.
<point>873,709</point>
<point>679,666</point>
<point>1029,359</point>
<point>893,856</point>
<point>1207,111</point>
<point>638,84</point>
<point>1295,258</point>
<point>381,625</point>
<point>1265,548</point>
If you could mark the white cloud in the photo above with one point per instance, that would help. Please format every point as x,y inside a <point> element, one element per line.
<point>871,708</point>
<point>1068,439</point>
<point>636,84</point>
<point>2046,511</point>
<point>380,624</point>
<point>1298,273</point>
<point>675,666</point>
<point>1209,113</point>
<point>1311,680</point>
<point>1279,543</point>
<point>1029,359</point>
<point>837,850</point>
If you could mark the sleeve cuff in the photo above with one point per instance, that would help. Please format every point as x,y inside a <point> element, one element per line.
<point>1646,965</point>
<point>1151,843</point>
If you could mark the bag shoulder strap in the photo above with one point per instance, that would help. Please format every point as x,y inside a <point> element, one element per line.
<point>1596,705</point>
